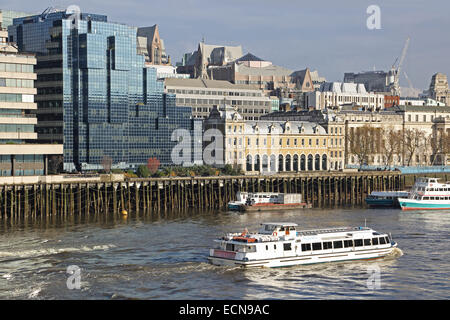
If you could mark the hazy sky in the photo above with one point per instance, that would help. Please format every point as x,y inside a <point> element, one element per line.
<point>328,35</point>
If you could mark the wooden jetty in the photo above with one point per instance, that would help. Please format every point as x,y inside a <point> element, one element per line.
<point>137,195</point>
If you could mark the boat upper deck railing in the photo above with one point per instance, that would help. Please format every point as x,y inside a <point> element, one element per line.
<point>332,230</point>
<point>427,180</point>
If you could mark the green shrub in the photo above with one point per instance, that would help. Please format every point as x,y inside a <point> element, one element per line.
<point>143,171</point>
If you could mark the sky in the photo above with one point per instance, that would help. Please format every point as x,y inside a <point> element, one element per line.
<point>325,35</point>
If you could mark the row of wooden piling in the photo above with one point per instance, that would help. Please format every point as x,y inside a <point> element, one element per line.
<point>161,194</point>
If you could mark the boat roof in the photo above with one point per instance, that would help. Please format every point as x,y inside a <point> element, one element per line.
<point>332,230</point>
<point>427,179</point>
<point>280,224</point>
<point>388,193</point>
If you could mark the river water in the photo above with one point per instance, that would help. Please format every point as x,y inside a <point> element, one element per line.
<point>165,257</point>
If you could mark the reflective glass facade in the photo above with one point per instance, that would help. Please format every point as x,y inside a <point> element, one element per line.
<point>112,104</point>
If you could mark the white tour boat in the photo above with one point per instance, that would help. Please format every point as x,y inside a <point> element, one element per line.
<point>280,245</point>
<point>427,194</point>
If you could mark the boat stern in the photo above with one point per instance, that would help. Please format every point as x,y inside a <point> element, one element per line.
<point>226,258</point>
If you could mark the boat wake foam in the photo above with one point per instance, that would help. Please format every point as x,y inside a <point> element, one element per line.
<point>396,252</point>
<point>52,251</point>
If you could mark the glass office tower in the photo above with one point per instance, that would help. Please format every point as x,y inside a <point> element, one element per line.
<point>95,93</point>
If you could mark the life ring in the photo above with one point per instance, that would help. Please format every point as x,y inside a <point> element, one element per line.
<point>275,233</point>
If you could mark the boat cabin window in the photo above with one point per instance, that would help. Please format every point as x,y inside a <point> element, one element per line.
<point>269,227</point>
<point>287,246</point>
<point>348,243</point>
<point>358,242</point>
<point>229,247</point>
<point>317,246</point>
<point>382,241</point>
<point>327,245</point>
<point>306,246</point>
<point>387,239</point>
<point>375,241</point>
<point>367,242</point>
<point>337,244</point>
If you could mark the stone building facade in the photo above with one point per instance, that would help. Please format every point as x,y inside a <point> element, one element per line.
<point>439,88</point>
<point>20,155</point>
<point>203,94</point>
<point>269,146</point>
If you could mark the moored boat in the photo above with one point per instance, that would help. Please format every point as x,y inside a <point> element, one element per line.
<point>259,201</point>
<point>385,198</point>
<point>427,194</point>
<point>241,199</point>
<point>281,244</point>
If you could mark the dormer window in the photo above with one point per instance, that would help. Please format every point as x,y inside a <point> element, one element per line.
<point>287,127</point>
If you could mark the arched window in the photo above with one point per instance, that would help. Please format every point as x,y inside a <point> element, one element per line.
<point>249,166</point>
<point>280,163</point>
<point>310,162</point>
<point>302,162</point>
<point>273,163</point>
<point>324,162</point>
<point>265,163</point>
<point>317,162</point>
<point>257,163</point>
<point>288,162</point>
<point>295,163</point>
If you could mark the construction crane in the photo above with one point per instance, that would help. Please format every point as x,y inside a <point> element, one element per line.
<point>395,70</point>
<point>409,81</point>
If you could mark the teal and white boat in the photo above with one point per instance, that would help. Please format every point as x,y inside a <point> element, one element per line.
<point>241,199</point>
<point>427,194</point>
<point>385,198</point>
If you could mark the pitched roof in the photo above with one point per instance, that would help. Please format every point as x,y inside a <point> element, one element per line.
<point>249,57</point>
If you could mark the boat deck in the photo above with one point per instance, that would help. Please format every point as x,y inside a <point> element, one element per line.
<point>331,230</point>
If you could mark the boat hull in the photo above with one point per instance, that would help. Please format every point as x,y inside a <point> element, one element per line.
<point>409,204</point>
<point>273,206</point>
<point>306,259</point>
<point>235,206</point>
<point>381,203</point>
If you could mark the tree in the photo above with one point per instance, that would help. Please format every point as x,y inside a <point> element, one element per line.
<point>153,165</point>
<point>363,142</point>
<point>55,164</point>
<point>391,144</point>
<point>143,171</point>
<point>440,145</point>
<point>412,141</point>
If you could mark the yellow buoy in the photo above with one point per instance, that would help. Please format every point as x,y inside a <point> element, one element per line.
<point>124,212</point>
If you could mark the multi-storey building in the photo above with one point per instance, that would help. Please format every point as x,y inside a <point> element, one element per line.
<point>152,46</point>
<point>338,94</point>
<point>196,64</point>
<point>415,127</point>
<point>374,81</point>
<point>439,88</point>
<point>9,15</point>
<point>251,70</point>
<point>276,145</point>
<point>95,92</point>
<point>203,94</point>
<point>19,153</point>
<point>406,135</point>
